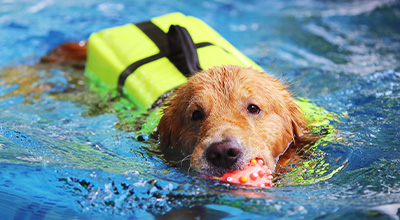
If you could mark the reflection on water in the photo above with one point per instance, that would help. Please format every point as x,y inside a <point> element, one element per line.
<point>67,151</point>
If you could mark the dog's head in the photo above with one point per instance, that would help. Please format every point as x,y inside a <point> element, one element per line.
<point>225,116</point>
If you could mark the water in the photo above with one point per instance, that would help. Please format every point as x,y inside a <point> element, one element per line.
<point>64,153</point>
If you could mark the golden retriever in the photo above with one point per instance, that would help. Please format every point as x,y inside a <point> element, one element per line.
<point>225,116</point>
<point>222,117</point>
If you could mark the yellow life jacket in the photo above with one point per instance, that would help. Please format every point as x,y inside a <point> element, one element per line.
<point>147,59</point>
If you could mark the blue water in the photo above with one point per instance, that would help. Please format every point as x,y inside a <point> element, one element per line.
<point>64,153</point>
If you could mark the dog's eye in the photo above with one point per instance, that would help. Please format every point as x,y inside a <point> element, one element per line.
<point>197,115</point>
<point>253,109</point>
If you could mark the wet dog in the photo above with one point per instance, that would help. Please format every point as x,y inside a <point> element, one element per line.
<point>221,118</point>
<point>225,116</point>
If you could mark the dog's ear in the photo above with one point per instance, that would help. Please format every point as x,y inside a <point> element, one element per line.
<point>297,119</point>
<point>164,130</point>
<point>170,125</point>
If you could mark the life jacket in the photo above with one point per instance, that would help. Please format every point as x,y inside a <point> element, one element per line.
<point>147,59</point>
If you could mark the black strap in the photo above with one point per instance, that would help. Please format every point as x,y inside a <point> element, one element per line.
<point>155,34</point>
<point>158,37</point>
<point>176,45</point>
<point>132,68</point>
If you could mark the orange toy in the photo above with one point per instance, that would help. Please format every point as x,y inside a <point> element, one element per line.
<point>255,174</point>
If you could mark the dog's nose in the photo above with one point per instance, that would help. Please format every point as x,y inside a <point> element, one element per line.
<point>224,154</point>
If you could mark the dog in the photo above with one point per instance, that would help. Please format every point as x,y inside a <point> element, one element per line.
<point>222,117</point>
<point>225,116</point>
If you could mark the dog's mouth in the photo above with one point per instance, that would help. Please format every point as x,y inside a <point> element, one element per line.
<point>220,171</point>
<point>255,174</point>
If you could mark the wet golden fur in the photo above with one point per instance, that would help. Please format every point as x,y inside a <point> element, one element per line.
<point>222,95</point>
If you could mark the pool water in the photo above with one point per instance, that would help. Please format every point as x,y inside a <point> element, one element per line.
<point>68,152</point>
